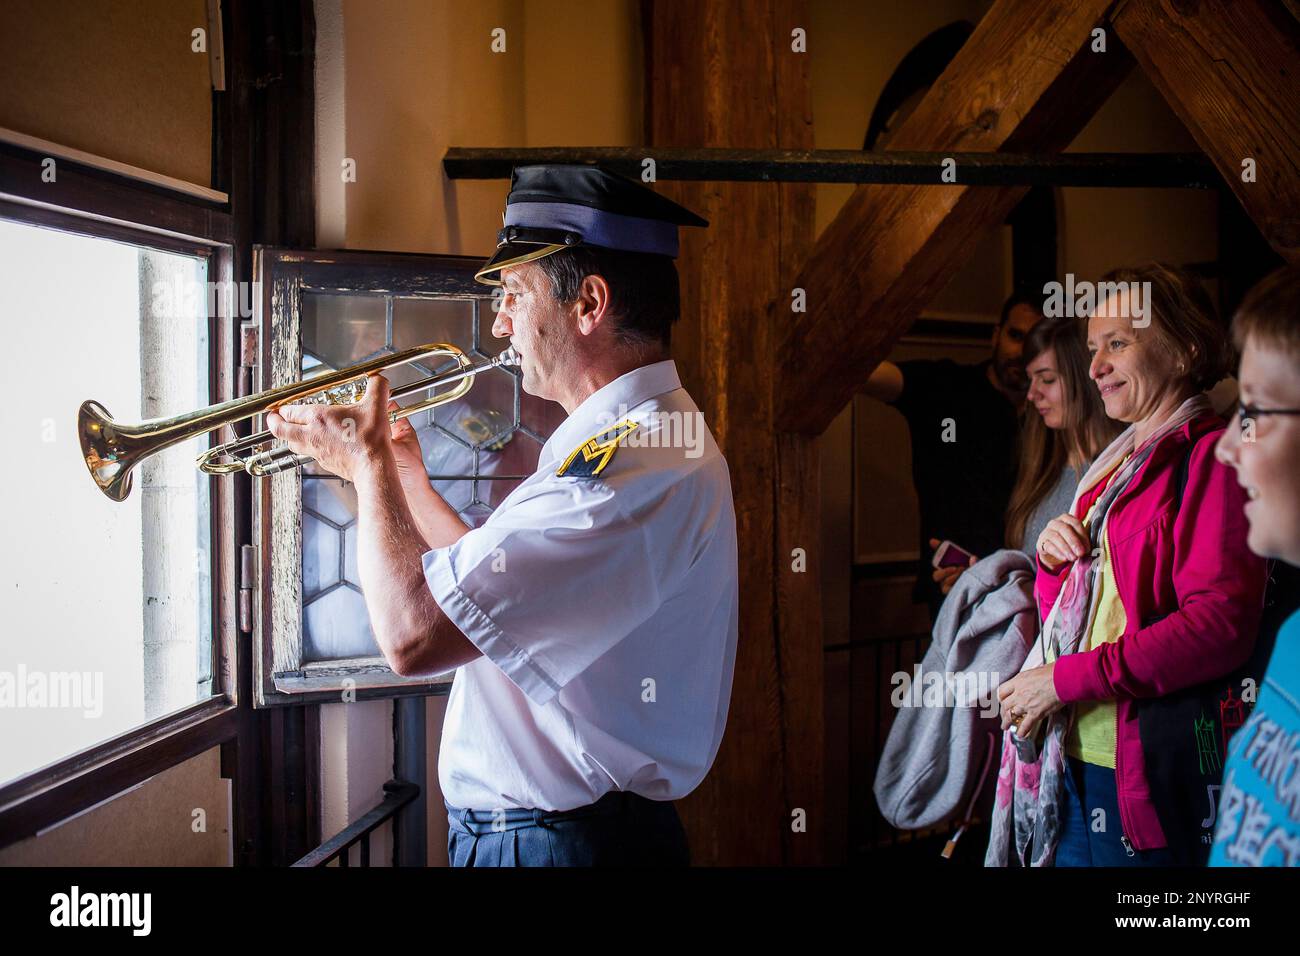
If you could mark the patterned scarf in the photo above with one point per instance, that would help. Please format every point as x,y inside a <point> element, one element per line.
<point>1030,795</point>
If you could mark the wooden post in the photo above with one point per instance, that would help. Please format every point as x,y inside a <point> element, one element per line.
<point>725,74</point>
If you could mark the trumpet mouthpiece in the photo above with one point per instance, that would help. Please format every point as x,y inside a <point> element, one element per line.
<point>508,357</point>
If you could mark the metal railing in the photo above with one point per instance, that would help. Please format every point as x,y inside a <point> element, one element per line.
<point>399,794</point>
<point>873,662</point>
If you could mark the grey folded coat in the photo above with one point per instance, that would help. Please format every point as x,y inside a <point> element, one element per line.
<point>942,739</point>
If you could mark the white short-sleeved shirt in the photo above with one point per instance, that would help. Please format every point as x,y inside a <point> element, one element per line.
<point>606,609</point>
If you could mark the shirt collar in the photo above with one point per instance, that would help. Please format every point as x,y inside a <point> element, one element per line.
<point>600,408</point>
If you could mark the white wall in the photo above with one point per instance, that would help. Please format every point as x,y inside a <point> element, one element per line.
<point>1104,228</point>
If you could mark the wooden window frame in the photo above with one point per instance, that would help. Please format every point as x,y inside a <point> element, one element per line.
<point>281,676</point>
<point>263,161</point>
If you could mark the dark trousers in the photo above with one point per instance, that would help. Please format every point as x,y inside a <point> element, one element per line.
<point>1092,839</point>
<point>619,829</point>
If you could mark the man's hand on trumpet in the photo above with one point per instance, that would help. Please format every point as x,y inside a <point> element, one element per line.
<point>344,439</point>
<point>407,452</point>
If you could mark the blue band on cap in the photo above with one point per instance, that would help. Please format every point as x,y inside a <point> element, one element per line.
<point>600,228</point>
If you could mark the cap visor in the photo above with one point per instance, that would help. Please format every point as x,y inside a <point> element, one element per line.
<point>512,254</point>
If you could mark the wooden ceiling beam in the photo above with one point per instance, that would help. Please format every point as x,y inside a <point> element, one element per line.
<point>1229,70</point>
<point>1026,80</point>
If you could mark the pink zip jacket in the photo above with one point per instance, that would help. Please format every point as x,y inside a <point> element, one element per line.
<point>1186,570</point>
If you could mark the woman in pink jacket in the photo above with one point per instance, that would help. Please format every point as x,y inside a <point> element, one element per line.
<point>1147,588</point>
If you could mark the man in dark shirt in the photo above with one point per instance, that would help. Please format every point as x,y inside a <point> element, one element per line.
<point>964,421</point>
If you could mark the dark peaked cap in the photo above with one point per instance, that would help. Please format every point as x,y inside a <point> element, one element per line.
<point>551,208</point>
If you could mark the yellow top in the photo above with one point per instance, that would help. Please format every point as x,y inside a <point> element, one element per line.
<point>1092,736</point>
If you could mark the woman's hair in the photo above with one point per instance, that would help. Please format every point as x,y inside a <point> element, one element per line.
<point>1270,313</point>
<point>1085,431</point>
<point>1183,319</point>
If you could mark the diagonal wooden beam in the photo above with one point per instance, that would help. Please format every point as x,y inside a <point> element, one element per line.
<point>1228,69</point>
<point>1027,79</point>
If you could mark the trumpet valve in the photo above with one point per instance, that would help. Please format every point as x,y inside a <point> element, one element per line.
<point>349,393</point>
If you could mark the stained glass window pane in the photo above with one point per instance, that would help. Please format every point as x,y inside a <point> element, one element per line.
<point>474,449</point>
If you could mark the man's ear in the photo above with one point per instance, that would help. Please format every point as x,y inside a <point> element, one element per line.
<point>592,303</point>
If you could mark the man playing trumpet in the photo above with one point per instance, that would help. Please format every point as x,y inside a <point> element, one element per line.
<point>592,619</point>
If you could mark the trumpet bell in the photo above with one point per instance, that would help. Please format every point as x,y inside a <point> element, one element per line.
<point>106,450</point>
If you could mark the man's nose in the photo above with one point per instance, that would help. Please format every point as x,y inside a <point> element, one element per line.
<point>501,324</point>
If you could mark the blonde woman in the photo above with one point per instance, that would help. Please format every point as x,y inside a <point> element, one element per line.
<point>1147,588</point>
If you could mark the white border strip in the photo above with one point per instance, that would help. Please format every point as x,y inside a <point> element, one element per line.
<point>111,165</point>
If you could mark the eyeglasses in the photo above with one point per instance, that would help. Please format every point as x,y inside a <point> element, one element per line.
<point>1246,412</point>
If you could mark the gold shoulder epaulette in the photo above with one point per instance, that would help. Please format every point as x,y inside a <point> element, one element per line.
<point>590,458</point>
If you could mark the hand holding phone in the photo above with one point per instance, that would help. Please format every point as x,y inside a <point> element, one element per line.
<point>949,555</point>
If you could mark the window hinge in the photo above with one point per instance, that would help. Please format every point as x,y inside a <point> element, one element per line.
<point>247,582</point>
<point>247,358</point>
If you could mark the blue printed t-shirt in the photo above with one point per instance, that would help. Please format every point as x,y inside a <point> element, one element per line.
<point>1259,810</point>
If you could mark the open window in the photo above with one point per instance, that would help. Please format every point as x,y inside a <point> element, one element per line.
<point>329,310</point>
<point>109,610</point>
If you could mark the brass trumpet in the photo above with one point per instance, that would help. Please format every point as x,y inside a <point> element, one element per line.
<point>112,449</point>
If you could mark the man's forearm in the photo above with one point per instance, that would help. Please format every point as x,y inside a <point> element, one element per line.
<point>437,521</point>
<point>390,547</point>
